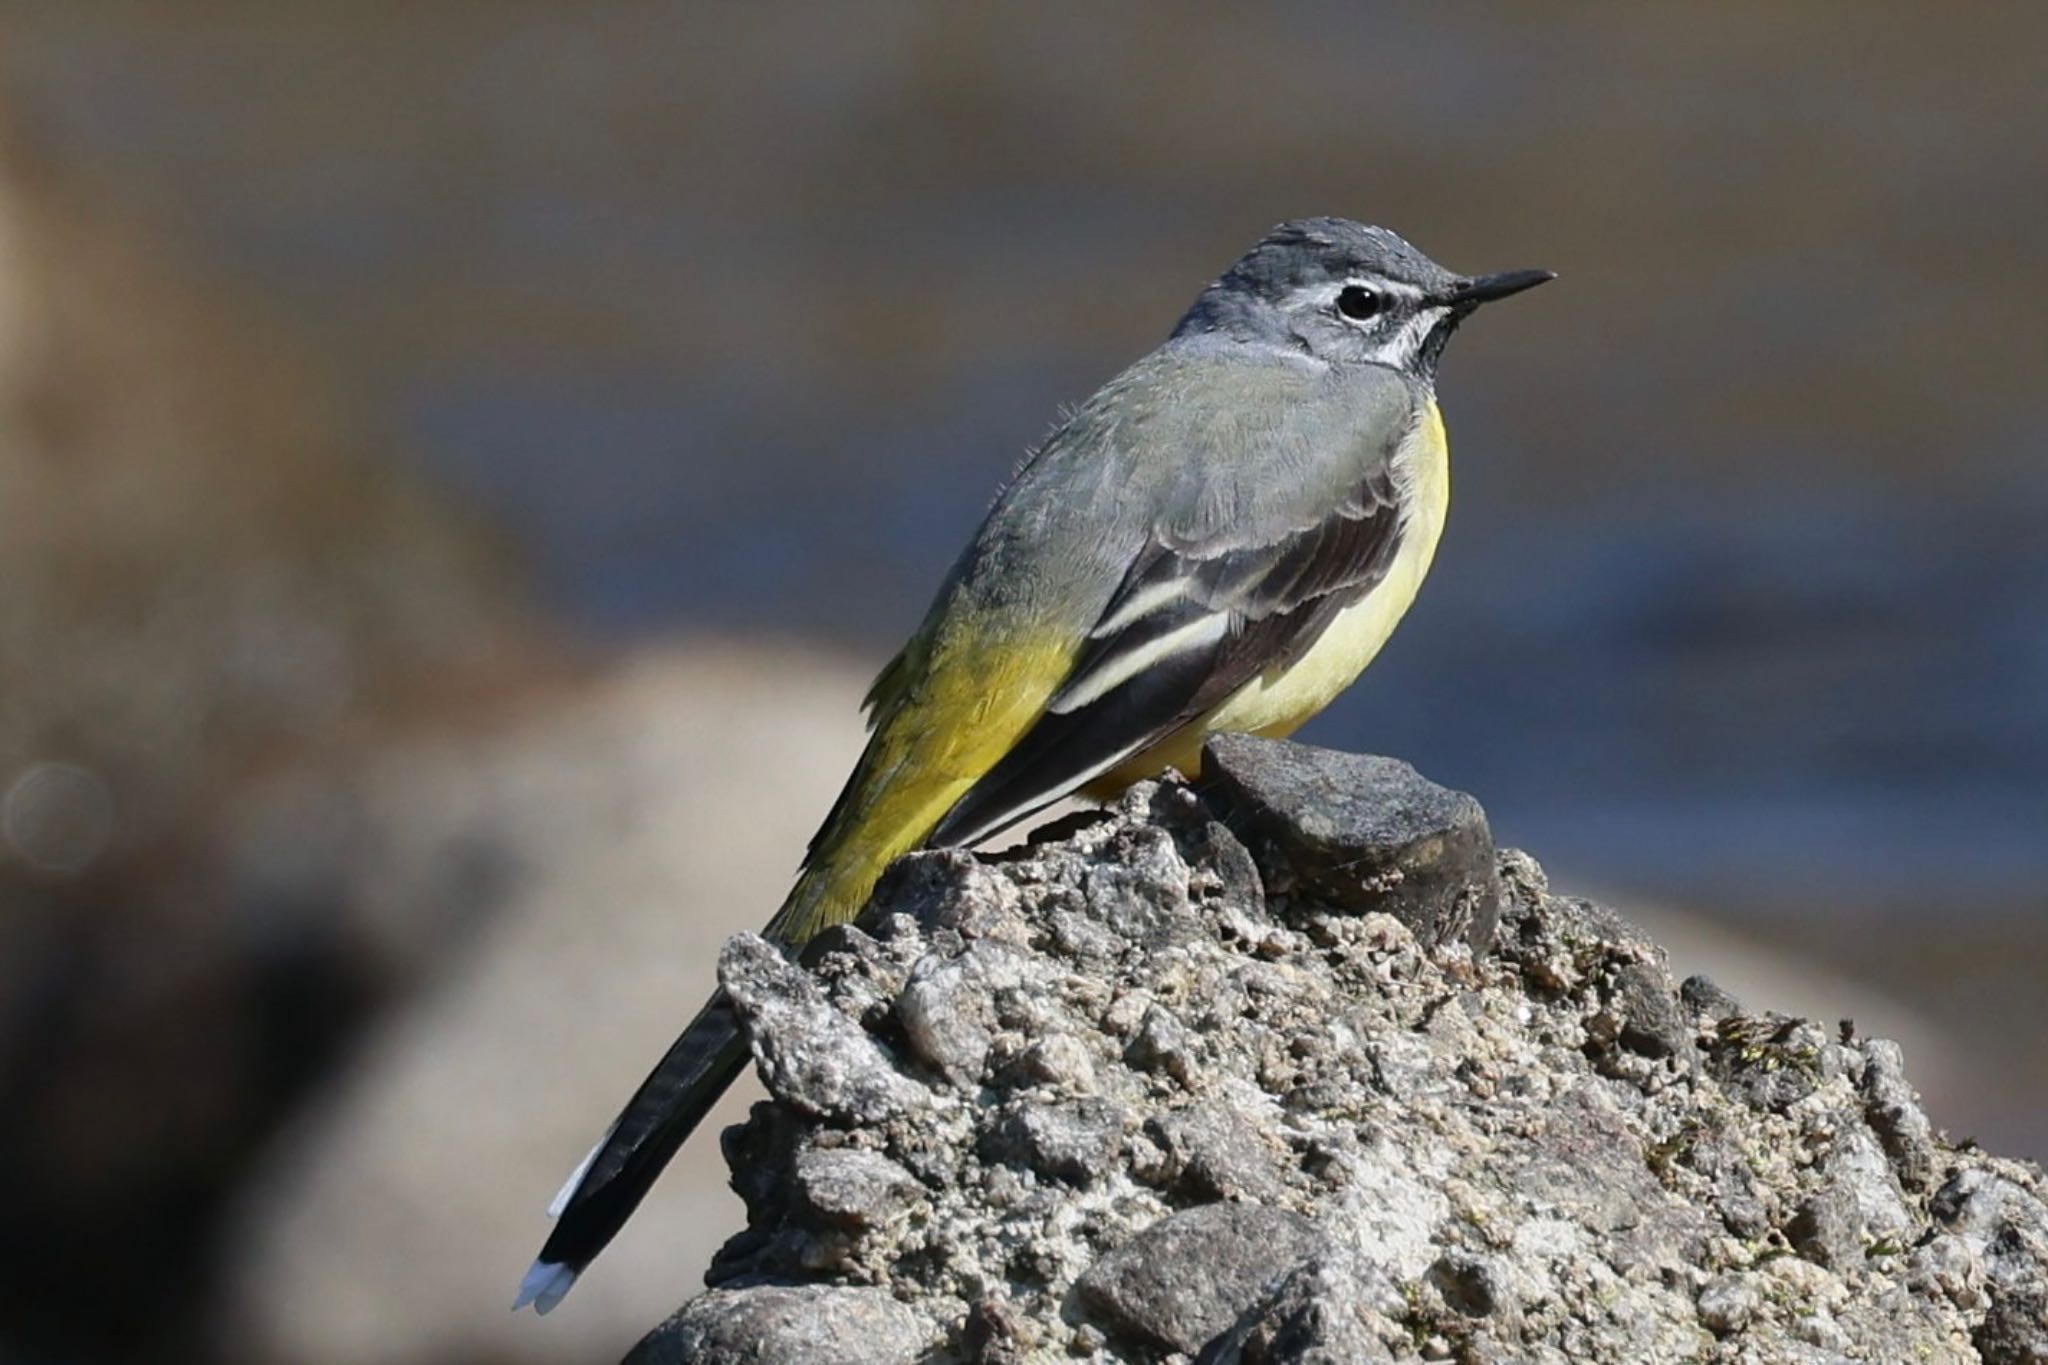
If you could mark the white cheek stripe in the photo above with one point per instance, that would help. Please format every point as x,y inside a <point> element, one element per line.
<point>1404,345</point>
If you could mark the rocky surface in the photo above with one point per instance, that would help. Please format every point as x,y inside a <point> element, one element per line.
<point>1117,1096</point>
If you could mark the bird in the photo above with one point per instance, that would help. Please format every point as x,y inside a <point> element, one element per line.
<point>1219,540</point>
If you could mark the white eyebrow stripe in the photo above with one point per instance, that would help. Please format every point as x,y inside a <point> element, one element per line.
<point>1324,295</point>
<point>1393,289</point>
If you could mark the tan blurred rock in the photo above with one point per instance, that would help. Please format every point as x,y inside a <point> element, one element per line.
<point>615,838</point>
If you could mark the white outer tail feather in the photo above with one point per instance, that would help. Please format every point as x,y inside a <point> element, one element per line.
<point>568,1190</point>
<point>545,1285</point>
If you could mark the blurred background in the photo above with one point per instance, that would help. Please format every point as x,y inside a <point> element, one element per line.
<point>460,462</point>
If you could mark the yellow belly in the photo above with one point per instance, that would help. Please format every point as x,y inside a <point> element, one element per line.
<point>1276,703</point>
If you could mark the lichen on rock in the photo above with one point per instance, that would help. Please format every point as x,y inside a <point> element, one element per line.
<point>1298,1068</point>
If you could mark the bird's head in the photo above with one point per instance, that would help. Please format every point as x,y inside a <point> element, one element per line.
<point>1347,292</point>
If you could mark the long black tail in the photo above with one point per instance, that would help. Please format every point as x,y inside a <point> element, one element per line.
<point>609,1185</point>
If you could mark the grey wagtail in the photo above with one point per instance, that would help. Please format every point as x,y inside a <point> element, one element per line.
<point>1220,539</point>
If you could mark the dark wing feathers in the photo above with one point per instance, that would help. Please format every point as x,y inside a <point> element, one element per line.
<point>1237,609</point>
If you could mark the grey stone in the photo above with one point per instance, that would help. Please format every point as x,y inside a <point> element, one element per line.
<point>851,1188</point>
<point>1652,1022</point>
<point>1074,1141</point>
<point>1827,1230</point>
<point>1469,1284</point>
<point>948,1019</point>
<point>786,1325</point>
<point>809,1055</point>
<point>1706,1001</point>
<point>1359,832</point>
<point>998,1334</point>
<point>1213,1152</point>
<point>1141,893</point>
<point>1329,1311</point>
<point>1894,1112</point>
<point>1163,1044</point>
<point>1857,1209</point>
<point>2015,1330</point>
<point>1728,1302</point>
<point>2002,1222</point>
<point>1186,1278</point>
<point>1943,1266</point>
<point>1061,1061</point>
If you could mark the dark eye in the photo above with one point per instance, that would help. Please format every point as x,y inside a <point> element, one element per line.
<point>1357,302</point>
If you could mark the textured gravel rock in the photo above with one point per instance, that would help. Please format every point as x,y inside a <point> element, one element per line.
<point>1108,1098</point>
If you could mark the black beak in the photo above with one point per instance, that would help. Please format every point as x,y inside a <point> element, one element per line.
<point>1486,288</point>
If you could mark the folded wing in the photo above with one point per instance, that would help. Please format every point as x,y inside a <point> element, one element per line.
<point>1194,619</point>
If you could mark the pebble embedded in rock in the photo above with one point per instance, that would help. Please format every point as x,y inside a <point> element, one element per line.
<point>853,1188</point>
<point>1186,1278</point>
<point>1163,1044</point>
<point>1359,832</point>
<point>1727,1304</point>
<point>1072,1141</point>
<point>2015,1330</point>
<point>808,1053</point>
<point>1329,1311</point>
<point>786,1325</point>
<point>1895,1114</point>
<point>948,1020</point>
<point>1213,1152</point>
<point>1652,1021</point>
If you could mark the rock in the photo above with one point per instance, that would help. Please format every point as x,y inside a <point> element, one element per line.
<point>2015,1331</point>
<point>809,1055</point>
<point>1706,1001</point>
<point>948,1022</point>
<point>1167,1116</point>
<point>1163,1044</point>
<point>1073,1141</point>
<point>1332,1310</point>
<point>1895,1114</point>
<point>1996,1209</point>
<point>1358,832</point>
<point>1185,1279</point>
<point>1469,1284</point>
<point>785,1325</point>
<point>1728,1303</point>
<point>854,1188</point>
<point>1214,1152</point>
<point>1652,1021</point>
<point>1062,1062</point>
<point>1826,1229</point>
